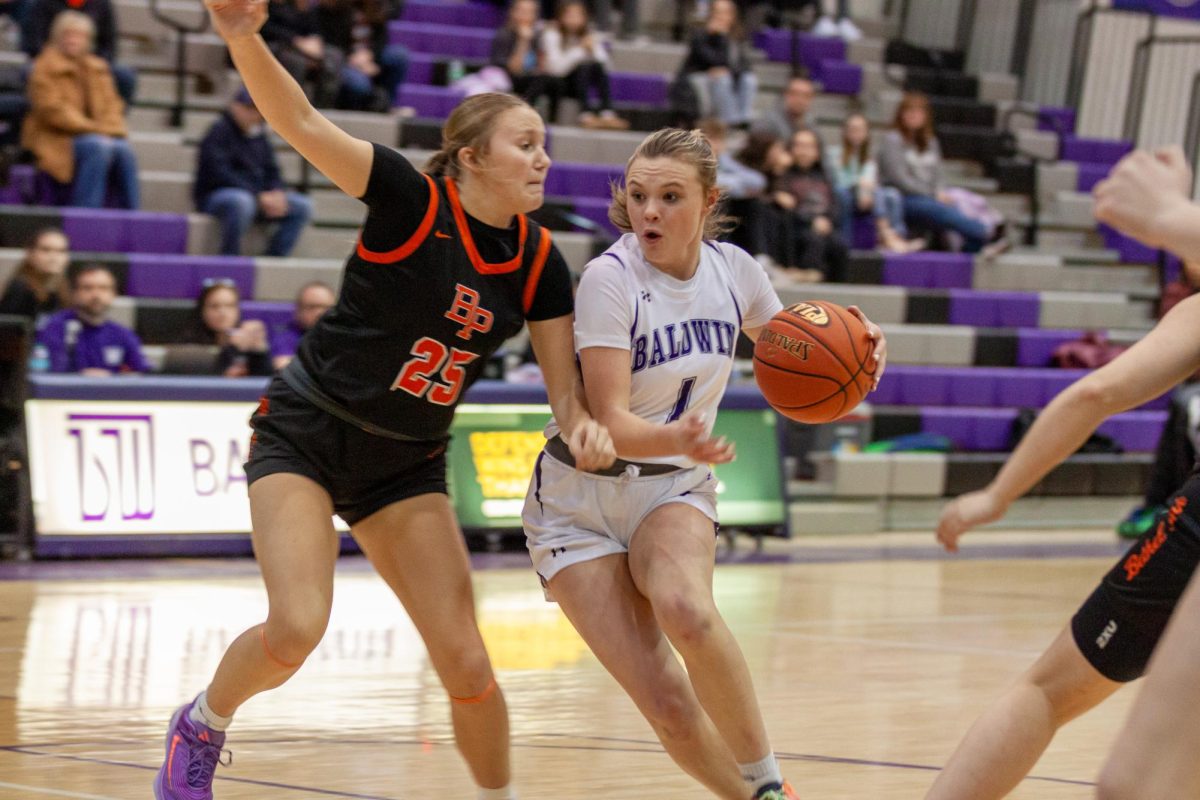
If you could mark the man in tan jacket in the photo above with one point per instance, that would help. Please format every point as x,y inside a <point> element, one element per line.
<point>75,126</point>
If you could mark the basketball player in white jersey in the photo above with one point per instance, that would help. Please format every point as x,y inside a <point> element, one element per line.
<point>628,552</point>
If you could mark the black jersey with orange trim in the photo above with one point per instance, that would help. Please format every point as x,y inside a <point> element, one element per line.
<point>428,295</point>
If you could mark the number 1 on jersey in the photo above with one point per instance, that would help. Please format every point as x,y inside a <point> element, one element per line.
<point>681,402</point>
<point>429,356</point>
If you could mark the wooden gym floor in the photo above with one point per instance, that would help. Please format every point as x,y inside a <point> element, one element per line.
<point>871,656</point>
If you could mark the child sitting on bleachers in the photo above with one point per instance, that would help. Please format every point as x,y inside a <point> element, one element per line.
<point>575,54</point>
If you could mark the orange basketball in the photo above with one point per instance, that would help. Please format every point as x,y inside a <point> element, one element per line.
<point>814,362</point>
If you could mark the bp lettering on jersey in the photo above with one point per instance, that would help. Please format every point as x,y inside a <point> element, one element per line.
<point>677,340</point>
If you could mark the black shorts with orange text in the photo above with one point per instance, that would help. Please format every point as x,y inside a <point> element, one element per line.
<point>1118,627</point>
<point>362,472</point>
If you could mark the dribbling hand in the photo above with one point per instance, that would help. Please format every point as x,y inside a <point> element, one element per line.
<point>964,513</point>
<point>235,19</point>
<point>880,341</point>
<point>591,446</point>
<point>691,433</point>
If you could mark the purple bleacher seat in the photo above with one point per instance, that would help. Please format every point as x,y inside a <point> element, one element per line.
<point>862,228</point>
<point>1136,431</point>
<point>1036,346</point>
<point>1056,119</point>
<point>114,231</point>
<point>1131,250</point>
<point>1093,151</point>
<point>420,68</point>
<point>928,270</point>
<point>840,77</point>
<point>813,50</point>
<point>1089,175</point>
<point>994,309</point>
<point>1021,389</point>
<point>638,87</point>
<point>447,40</point>
<point>888,393</point>
<point>976,429</point>
<point>925,386</point>
<point>20,185</point>
<point>582,180</point>
<point>272,313</point>
<point>444,13</point>
<point>974,386</point>
<point>429,101</point>
<point>183,276</point>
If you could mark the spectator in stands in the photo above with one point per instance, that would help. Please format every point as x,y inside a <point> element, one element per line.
<point>835,20</point>
<point>793,112</point>
<point>575,54</point>
<point>82,338</point>
<point>911,161</point>
<point>718,65</point>
<point>742,187</point>
<point>804,189</point>
<point>217,320</point>
<point>602,11</point>
<point>75,126</point>
<point>293,35</point>
<point>312,301</point>
<point>373,68</point>
<point>518,49</point>
<point>856,176</point>
<point>238,181</point>
<point>39,286</point>
<point>39,22</point>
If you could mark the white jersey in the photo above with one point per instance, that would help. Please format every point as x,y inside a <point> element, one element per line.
<point>680,335</point>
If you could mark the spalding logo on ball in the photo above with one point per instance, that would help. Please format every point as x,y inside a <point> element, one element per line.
<point>814,362</point>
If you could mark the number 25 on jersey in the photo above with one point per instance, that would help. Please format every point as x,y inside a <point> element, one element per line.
<point>430,355</point>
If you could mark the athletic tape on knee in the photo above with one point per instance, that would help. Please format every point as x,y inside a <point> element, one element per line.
<point>479,698</point>
<point>262,635</point>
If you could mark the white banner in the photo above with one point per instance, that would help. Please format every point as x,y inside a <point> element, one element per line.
<point>138,467</point>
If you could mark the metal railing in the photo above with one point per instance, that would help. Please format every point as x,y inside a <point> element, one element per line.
<point>182,29</point>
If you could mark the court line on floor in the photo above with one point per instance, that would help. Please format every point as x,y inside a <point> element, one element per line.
<point>55,792</point>
<point>919,646</point>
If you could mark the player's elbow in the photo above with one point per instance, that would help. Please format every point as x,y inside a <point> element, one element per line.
<point>1095,395</point>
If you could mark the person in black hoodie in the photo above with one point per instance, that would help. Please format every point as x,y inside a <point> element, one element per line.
<point>39,286</point>
<point>244,348</point>
<point>293,34</point>
<point>718,65</point>
<point>238,181</point>
<point>374,68</point>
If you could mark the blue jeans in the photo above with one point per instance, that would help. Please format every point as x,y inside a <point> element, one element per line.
<point>731,96</point>
<point>357,88</point>
<point>889,205</point>
<point>99,159</point>
<point>237,208</point>
<point>927,213</point>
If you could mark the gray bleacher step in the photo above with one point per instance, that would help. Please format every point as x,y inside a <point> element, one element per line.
<point>592,147</point>
<point>159,88</point>
<point>206,52</point>
<point>136,17</point>
<point>162,150</point>
<point>1062,176</point>
<point>281,278</point>
<point>910,514</point>
<point>1054,240</point>
<point>1043,144</point>
<point>1020,271</point>
<point>867,50</point>
<point>1074,208</point>
<point>883,304</point>
<point>1071,254</point>
<point>167,192</point>
<point>816,517</point>
<point>946,345</point>
<point>654,57</point>
<point>1091,310</point>
<point>997,87</point>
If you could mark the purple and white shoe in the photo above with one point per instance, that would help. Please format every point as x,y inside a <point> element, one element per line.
<point>193,752</point>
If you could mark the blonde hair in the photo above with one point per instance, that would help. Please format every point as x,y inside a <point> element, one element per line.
<point>689,147</point>
<point>471,124</point>
<point>71,19</point>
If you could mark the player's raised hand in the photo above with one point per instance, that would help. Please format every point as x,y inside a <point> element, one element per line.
<point>964,513</point>
<point>1143,189</point>
<point>591,446</point>
<point>880,343</point>
<point>234,19</point>
<point>691,432</point>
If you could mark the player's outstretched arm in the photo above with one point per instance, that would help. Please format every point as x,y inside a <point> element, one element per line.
<point>1156,364</point>
<point>1148,196</point>
<point>342,158</point>
<point>553,343</point>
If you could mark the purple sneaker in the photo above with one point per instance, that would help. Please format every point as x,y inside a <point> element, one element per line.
<point>193,752</point>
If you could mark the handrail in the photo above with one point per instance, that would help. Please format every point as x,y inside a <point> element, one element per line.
<point>1136,98</point>
<point>181,31</point>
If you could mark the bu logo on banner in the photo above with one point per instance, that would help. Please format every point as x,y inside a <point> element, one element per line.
<point>115,465</point>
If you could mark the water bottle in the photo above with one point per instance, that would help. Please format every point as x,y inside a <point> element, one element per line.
<point>455,70</point>
<point>39,359</point>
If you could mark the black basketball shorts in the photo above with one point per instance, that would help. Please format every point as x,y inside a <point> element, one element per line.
<point>362,472</point>
<point>1118,627</point>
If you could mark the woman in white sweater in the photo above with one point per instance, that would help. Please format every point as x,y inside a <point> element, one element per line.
<point>574,53</point>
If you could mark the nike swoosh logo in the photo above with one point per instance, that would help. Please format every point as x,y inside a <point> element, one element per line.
<point>441,235</point>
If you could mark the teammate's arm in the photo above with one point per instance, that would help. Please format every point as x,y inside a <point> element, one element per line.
<point>553,344</point>
<point>342,158</point>
<point>606,381</point>
<point>1157,363</point>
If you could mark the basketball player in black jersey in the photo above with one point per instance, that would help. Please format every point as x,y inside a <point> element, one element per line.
<point>446,268</point>
<point>1110,639</point>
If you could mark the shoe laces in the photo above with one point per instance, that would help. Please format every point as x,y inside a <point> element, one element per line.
<point>203,757</point>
